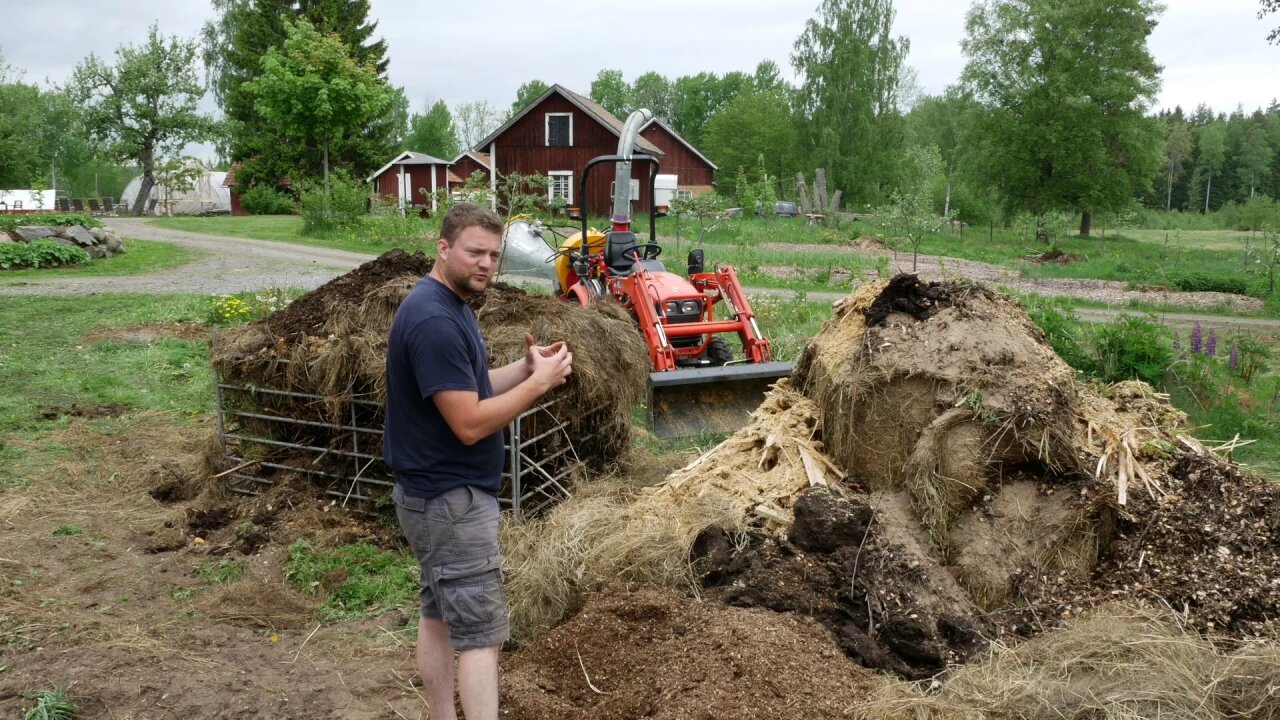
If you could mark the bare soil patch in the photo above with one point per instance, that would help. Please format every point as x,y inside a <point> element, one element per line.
<point>149,332</point>
<point>108,410</point>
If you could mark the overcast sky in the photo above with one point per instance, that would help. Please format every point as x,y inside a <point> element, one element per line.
<point>1212,51</point>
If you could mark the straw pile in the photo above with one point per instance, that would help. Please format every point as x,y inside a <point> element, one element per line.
<point>332,343</point>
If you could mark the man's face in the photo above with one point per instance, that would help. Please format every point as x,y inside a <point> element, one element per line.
<point>470,264</point>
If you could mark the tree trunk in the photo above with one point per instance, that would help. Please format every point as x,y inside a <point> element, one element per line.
<point>148,181</point>
<point>946,204</point>
<point>326,180</point>
<point>1086,223</point>
<point>802,190</point>
<point>1208,186</point>
<point>1168,193</point>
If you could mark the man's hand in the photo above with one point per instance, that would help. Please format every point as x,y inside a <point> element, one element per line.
<point>550,365</point>
<point>532,350</point>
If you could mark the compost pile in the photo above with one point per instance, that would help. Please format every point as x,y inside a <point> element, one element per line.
<point>986,493</point>
<point>331,344</point>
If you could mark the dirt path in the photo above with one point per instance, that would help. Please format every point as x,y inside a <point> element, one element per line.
<point>233,265</point>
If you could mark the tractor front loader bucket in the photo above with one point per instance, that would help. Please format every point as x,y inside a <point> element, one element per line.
<point>684,403</point>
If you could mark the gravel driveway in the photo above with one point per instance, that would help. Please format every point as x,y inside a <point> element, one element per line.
<point>232,265</point>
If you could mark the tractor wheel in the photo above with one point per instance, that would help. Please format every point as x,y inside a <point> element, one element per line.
<point>719,351</point>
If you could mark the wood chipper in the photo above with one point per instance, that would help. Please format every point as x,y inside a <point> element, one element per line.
<point>696,383</point>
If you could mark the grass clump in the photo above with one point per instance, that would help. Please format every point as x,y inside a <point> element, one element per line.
<point>222,572</point>
<point>67,530</point>
<point>358,579</point>
<point>52,704</point>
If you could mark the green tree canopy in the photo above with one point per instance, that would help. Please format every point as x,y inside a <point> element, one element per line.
<point>144,104</point>
<point>1065,84</point>
<point>235,43</point>
<point>315,92</point>
<point>1177,148</point>
<point>851,67</point>
<point>432,132</point>
<point>611,91</point>
<point>652,91</point>
<point>526,94</point>
<point>752,126</point>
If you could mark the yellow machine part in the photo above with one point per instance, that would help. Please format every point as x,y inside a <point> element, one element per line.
<point>595,242</point>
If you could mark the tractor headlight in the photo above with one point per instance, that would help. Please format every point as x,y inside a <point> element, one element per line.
<point>673,307</point>
<point>690,306</point>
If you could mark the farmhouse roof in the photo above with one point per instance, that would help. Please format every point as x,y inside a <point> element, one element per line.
<point>586,105</point>
<point>684,142</point>
<point>409,157</point>
<point>482,158</point>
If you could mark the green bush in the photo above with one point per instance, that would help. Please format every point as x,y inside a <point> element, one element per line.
<point>344,208</point>
<point>9,222</point>
<point>1068,337</point>
<point>1203,282</point>
<point>263,200</point>
<point>1131,348</point>
<point>38,254</point>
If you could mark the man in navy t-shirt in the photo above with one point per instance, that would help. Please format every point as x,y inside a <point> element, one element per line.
<point>445,414</point>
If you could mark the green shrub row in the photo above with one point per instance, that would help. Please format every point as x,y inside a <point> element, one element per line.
<point>9,222</point>
<point>1203,282</point>
<point>263,200</point>
<point>38,254</point>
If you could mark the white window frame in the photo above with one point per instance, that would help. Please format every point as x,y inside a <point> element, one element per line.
<point>684,194</point>
<point>547,127</point>
<point>551,186</point>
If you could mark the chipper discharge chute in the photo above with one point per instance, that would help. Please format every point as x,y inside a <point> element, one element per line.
<point>696,384</point>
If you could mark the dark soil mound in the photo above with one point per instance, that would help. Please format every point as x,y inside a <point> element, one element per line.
<point>655,655</point>
<point>906,294</point>
<point>1207,547</point>
<point>1055,256</point>
<point>880,598</point>
<point>309,314</point>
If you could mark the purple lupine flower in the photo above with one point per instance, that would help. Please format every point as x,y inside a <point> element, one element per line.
<point>1195,337</point>
<point>1211,345</point>
<point>1233,360</point>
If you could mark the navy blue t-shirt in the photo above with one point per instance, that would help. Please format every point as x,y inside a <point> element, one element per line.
<point>435,345</point>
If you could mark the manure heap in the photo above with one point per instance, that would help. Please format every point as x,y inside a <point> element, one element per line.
<point>938,478</point>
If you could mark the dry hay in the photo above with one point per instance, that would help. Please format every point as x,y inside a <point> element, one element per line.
<point>608,533</point>
<point>256,603</point>
<point>1114,663</point>
<point>613,532</point>
<point>332,343</point>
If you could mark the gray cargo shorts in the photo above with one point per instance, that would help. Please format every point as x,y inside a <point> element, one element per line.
<point>454,536</point>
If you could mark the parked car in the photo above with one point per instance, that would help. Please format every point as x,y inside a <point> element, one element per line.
<point>781,208</point>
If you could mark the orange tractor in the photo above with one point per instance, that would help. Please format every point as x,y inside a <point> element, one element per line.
<point>696,383</point>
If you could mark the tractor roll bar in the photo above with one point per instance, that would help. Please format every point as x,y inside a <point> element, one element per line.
<point>605,159</point>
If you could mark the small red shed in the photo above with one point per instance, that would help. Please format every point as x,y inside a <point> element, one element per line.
<point>411,180</point>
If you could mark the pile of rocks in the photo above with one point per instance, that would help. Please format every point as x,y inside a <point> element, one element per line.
<point>100,242</point>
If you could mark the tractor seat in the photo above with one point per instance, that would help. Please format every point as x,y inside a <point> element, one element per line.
<point>619,251</point>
